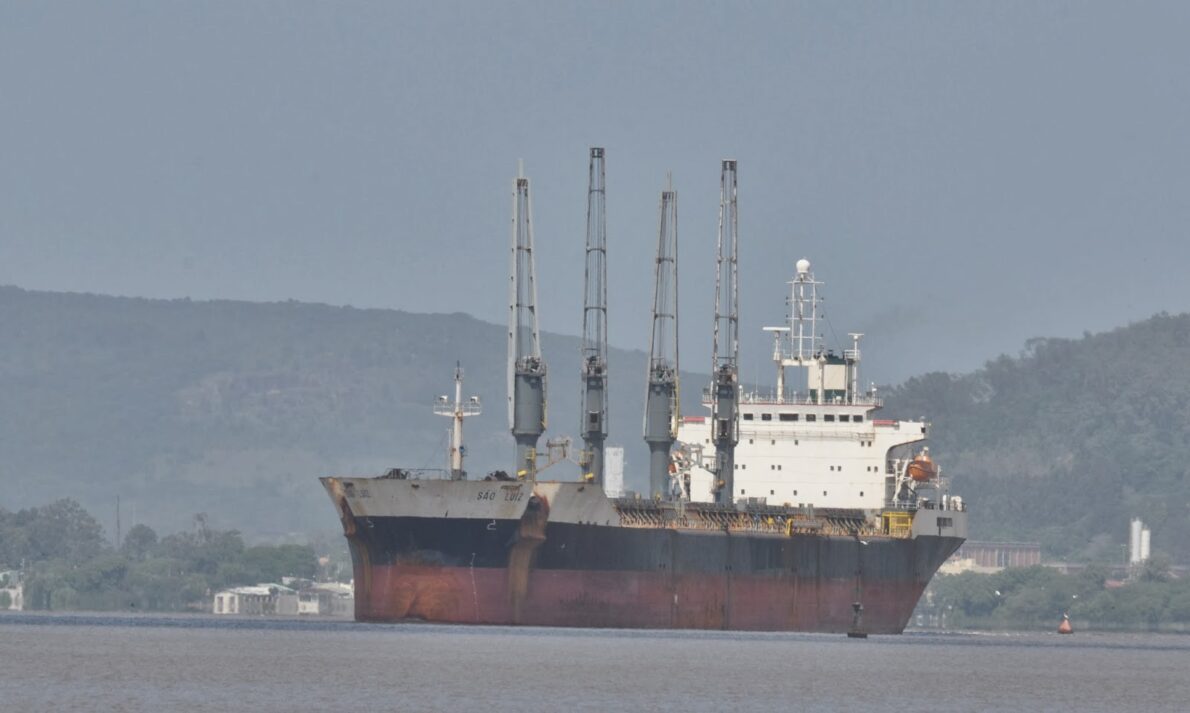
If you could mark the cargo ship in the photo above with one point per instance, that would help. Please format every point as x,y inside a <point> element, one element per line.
<point>792,510</point>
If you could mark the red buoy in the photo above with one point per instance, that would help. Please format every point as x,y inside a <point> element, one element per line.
<point>1064,627</point>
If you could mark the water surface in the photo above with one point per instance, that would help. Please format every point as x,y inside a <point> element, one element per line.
<point>203,663</point>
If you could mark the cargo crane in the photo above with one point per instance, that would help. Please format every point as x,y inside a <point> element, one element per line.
<point>594,367</point>
<point>661,405</point>
<point>526,368</point>
<point>724,393</point>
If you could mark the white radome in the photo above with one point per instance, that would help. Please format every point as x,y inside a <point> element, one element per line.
<point>803,266</point>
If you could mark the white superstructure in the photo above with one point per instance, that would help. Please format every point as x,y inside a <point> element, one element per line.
<point>817,445</point>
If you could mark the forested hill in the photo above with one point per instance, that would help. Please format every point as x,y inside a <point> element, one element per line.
<point>1067,442</point>
<point>235,408</point>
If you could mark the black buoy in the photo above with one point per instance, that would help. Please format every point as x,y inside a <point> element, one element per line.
<point>857,623</point>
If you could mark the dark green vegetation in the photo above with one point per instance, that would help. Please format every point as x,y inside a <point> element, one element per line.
<point>1064,444</point>
<point>68,564</point>
<point>1036,597</point>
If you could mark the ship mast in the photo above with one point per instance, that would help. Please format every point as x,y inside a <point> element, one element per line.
<point>594,368</point>
<point>526,368</point>
<point>725,387</point>
<point>662,406</point>
<point>457,411</point>
<point>799,344</point>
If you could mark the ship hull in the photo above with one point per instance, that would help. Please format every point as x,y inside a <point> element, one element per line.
<point>541,573</point>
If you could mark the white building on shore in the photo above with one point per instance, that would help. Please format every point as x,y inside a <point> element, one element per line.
<point>12,591</point>
<point>320,599</point>
<point>327,599</point>
<point>261,599</point>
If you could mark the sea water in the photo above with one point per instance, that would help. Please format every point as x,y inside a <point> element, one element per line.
<point>97,662</point>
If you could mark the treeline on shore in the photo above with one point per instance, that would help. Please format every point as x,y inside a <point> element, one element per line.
<point>1037,597</point>
<point>65,562</point>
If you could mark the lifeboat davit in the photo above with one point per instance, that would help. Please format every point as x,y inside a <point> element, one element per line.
<point>922,467</point>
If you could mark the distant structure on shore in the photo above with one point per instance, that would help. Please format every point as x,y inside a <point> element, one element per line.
<point>321,599</point>
<point>1138,542</point>
<point>975,556</point>
<point>12,591</point>
<point>613,477</point>
<point>988,557</point>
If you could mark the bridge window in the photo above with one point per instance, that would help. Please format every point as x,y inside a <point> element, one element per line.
<point>857,419</point>
<point>789,417</point>
<point>844,418</point>
<point>766,417</point>
<point>747,417</point>
<point>811,417</point>
<point>828,417</point>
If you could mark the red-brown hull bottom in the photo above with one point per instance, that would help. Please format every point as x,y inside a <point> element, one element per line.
<point>630,599</point>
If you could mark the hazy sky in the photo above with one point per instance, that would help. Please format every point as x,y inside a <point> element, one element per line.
<point>964,176</point>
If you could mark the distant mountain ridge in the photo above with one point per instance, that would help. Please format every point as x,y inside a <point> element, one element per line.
<point>235,408</point>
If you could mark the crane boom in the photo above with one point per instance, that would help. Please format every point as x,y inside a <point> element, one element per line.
<point>594,366</point>
<point>526,368</point>
<point>725,385</point>
<point>662,407</point>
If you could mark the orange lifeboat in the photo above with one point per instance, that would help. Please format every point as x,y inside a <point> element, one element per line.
<point>922,467</point>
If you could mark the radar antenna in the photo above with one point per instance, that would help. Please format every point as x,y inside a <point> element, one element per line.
<point>594,395</point>
<point>662,407</point>
<point>725,387</point>
<point>526,368</point>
